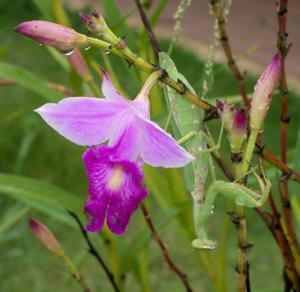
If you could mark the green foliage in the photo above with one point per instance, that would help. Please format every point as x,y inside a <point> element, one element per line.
<point>42,174</point>
<point>28,80</point>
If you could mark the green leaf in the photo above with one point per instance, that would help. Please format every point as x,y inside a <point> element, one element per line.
<point>12,216</point>
<point>42,196</point>
<point>186,118</point>
<point>29,80</point>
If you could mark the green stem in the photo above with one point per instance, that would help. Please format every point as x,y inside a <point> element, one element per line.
<point>249,151</point>
<point>74,272</point>
<point>240,169</point>
<point>124,52</point>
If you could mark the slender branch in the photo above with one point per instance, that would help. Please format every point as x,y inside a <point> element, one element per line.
<point>218,14</point>
<point>211,112</point>
<point>164,249</point>
<point>275,225</point>
<point>271,158</point>
<point>124,52</point>
<point>284,120</point>
<point>94,252</point>
<point>57,87</point>
<point>151,35</point>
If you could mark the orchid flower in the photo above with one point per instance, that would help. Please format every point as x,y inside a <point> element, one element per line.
<point>114,170</point>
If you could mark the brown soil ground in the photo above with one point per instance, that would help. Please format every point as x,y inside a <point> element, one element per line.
<point>252,31</point>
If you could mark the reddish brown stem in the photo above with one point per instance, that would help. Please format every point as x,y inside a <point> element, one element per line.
<point>286,253</point>
<point>271,158</point>
<point>283,49</point>
<point>164,249</point>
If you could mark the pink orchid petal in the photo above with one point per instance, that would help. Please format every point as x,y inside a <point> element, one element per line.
<point>128,139</point>
<point>160,149</point>
<point>108,89</point>
<point>83,120</point>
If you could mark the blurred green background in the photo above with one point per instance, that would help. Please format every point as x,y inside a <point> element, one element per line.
<point>29,148</point>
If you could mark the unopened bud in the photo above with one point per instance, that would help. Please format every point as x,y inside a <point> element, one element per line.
<point>97,25</point>
<point>235,123</point>
<point>78,63</point>
<point>45,237</point>
<point>52,34</point>
<point>239,130</point>
<point>262,95</point>
<point>225,111</point>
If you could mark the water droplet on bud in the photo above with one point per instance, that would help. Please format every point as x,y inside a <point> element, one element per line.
<point>87,47</point>
<point>40,44</point>
<point>68,52</point>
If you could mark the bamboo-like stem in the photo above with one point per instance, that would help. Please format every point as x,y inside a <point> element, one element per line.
<point>279,235</point>
<point>179,86</point>
<point>268,156</point>
<point>94,252</point>
<point>241,167</point>
<point>164,250</point>
<point>282,46</point>
<point>249,151</point>
<point>219,17</point>
<point>124,52</point>
<point>242,269</point>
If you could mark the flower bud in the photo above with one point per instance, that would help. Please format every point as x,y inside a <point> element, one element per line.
<point>239,130</point>
<point>52,34</point>
<point>263,92</point>
<point>78,63</point>
<point>235,123</point>
<point>97,25</point>
<point>226,114</point>
<point>45,237</point>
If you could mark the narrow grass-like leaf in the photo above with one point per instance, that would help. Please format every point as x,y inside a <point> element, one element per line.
<point>42,196</point>
<point>29,80</point>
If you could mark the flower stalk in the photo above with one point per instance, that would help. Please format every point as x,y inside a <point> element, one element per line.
<point>48,240</point>
<point>283,47</point>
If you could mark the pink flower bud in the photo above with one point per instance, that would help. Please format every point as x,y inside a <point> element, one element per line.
<point>225,111</point>
<point>78,63</point>
<point>263,92</point>
<point>239,130</point>
<point>52,34</point>
<point>45,237</point>
<point>97,25</point>
<point>235,123</point>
